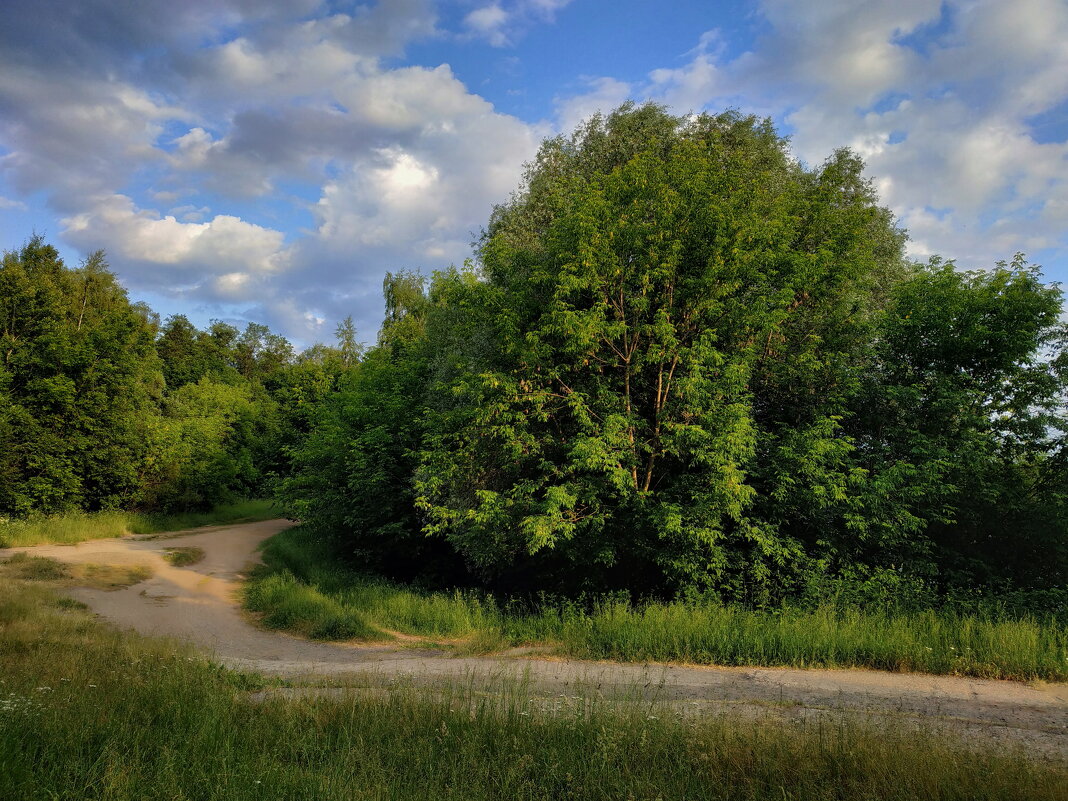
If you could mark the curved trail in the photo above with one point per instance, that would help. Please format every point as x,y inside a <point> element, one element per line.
<point>199,604</point>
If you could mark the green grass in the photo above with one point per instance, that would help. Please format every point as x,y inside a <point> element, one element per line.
<point>87,712</point>
<point>75,527</point>
<point>301,588</point>
<point>184,556</point>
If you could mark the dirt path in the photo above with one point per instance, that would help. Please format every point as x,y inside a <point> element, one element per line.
<point>199,604</point>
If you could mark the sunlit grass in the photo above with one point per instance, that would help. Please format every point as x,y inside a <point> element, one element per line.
<point>301,588</point>
<point>79,526</point>
<point>25,567</point>
<point>87,712</point>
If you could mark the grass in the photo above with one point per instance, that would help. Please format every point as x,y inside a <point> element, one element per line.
<point>87,712</point>
<point>23,567</point>
<point>302,589</point>
<point>75,527</point>
<point>184,556</point>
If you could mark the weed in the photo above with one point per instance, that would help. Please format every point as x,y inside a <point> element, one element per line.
<point>25,567</point>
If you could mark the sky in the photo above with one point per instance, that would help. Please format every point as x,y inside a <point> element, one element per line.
<point>270,160</point>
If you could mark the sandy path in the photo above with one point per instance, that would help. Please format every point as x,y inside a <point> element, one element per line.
<point>199,604</point>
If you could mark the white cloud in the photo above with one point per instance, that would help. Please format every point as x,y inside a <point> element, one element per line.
<point>224,244</point>
<point>601,95</point>
<point>249,113</point>
<point>938,107</point>
<point>8,203</point>
<point>689,87</point>
<point>489,22</point>
<point>501,25</point>
<point>82,136</point>
<point>958,140</point>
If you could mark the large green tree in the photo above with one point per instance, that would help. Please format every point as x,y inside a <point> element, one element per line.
<point>679,305</point>
<point>79,378</point>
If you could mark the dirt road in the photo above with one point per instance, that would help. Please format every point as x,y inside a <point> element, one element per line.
<point>199,604</point>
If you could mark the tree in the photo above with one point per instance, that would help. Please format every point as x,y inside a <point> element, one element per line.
<point>685,363</point>
<point>678,307</point>
<point>964,399</point>
<point>353,475</point>
<point>180,349</point>
<point>80,376</point>
<point>210,445</point>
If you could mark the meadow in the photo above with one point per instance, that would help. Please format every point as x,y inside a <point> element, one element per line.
<point>302,588</point>
<point>87,712</point>
<point>72,527</point>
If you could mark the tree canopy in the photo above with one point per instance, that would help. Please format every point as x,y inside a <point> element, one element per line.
<point>102,406</point>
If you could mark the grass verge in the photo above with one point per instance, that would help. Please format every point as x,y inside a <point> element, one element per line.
<point>87,712</point>
<point>75,527</point>
<point>302,588</point>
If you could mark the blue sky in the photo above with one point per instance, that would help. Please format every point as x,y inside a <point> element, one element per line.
<point>269,160</point>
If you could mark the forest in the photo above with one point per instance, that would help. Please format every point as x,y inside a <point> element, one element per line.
<point>678,365</point>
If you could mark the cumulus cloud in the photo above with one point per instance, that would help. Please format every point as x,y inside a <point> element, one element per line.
<point>223,245</point>
<point>938,98</point>
<point>278,157</point>
<point>600,95</point>
<point>501,24</point>
<point>489,22</point>
<point>191,178</point>
<point>941,118</point>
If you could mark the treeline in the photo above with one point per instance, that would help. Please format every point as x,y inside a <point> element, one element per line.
<point>102,406</point>
<point>684,363</point>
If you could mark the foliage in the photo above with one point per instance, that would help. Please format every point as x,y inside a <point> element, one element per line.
<point>352,475</point>
<point>101,408</point>
<point>963,399</point>
<point>682,365</point>
<point>78,378</point>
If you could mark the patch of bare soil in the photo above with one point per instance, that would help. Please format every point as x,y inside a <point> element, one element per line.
<point>199,603</point>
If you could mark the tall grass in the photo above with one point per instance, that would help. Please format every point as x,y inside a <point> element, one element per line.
<point>301,587</point>
<point>929,641</point>
<point>87,712</point>
<point>75,527</point>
